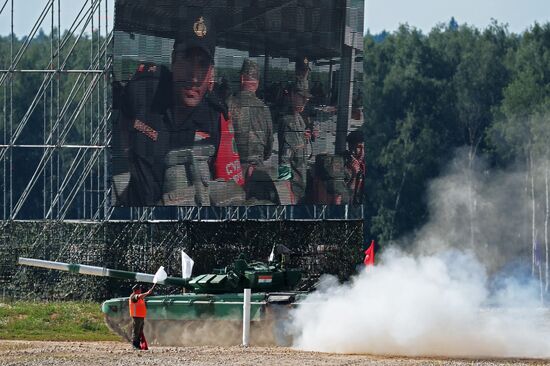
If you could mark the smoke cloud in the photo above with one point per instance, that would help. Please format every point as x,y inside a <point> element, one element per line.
<point>456,288</point>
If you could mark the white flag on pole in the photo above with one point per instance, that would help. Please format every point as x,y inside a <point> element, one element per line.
<point>160,276</point>
<point>186,265</point>
<point>272,255</point>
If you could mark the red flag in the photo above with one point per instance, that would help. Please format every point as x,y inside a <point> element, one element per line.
<point>369,255</point>
<point>143,342</point>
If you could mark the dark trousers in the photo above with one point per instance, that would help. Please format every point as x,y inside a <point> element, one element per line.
<point>137,329</point>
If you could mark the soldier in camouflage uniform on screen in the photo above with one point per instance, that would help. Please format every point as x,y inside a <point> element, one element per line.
<point>293,154</point>
<point>251,120</point>
<point>253,134</point>
<point>354,168</point>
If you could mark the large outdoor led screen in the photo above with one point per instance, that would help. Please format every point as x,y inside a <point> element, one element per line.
<point>229,103</point>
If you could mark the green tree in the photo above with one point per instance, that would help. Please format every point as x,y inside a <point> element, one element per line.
<point>406,130</point>
<point>521,128</point>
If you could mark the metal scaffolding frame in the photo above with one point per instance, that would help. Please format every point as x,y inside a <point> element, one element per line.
<point>71,176</point>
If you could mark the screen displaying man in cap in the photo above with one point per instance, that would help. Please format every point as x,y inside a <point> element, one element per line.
<point>179,127</point>
<point>252,120</point>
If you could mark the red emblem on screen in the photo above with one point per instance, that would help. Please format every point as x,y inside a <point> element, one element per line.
<point>146,130</point>
<point>201,135</point>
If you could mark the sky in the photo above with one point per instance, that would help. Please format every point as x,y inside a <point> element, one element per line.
<point>379,14</point>
<point>26,12</point>
<point>425,14</point>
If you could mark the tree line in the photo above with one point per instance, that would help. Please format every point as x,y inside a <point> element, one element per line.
<point>485,90</point>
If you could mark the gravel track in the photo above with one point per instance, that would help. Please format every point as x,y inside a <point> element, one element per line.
<point>118,353</point>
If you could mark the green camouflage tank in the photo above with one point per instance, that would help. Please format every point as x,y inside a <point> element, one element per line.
<point>210,311</point>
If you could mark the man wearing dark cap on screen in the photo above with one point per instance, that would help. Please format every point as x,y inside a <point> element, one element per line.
<point>180,135</point>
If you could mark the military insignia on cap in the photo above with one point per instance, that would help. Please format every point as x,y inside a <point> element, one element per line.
<point>200,28</point>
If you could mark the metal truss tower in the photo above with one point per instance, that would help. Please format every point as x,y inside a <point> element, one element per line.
<point>67,153</point>
<point>54,132</point>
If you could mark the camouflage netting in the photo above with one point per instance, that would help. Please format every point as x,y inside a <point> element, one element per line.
<point>318,247</point>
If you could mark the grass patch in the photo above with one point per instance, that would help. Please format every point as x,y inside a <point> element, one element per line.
<point>54,321</point>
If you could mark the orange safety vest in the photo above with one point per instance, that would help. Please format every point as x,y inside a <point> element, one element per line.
<point>228,163</point>
<point>137,309</point>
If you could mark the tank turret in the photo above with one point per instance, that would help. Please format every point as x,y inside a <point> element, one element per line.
<point>257,276</point>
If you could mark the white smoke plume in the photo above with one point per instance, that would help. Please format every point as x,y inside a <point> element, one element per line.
<point>438,292</point>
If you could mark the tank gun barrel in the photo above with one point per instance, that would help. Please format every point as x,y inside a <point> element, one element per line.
<point>101,271</point>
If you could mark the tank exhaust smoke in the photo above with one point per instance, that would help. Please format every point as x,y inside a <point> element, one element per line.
<point>437,292</point>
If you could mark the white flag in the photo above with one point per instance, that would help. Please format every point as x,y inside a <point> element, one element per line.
<point>272,255</point>
<point>186,265</point>
<point>160,275</point>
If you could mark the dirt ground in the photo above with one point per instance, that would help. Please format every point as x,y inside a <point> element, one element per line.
<point>118,353</point>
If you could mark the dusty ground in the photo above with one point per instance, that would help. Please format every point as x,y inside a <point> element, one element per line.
<point>117,353</point>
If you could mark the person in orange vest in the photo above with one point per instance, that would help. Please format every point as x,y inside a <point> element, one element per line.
<point>138,311</point>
